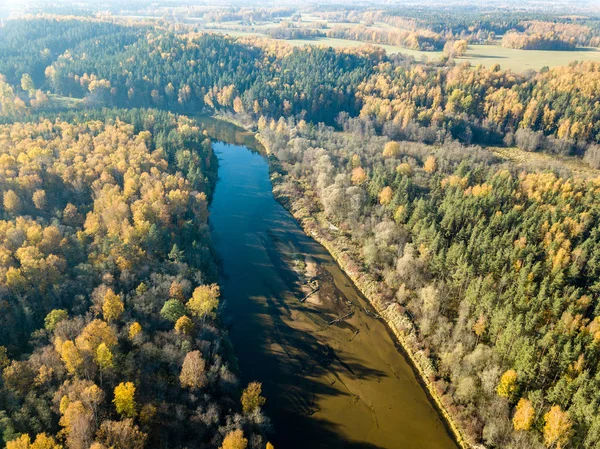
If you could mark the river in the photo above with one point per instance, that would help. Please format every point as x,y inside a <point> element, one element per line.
<point>340,385</point>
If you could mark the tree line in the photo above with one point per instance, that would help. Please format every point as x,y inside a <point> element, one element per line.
<point>539,35</point>
<point>484,105</point>
<point>189,72</point>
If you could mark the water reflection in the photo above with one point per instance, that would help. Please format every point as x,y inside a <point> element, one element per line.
<point>342,385</point>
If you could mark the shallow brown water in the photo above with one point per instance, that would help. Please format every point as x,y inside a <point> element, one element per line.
<point>344,385</point>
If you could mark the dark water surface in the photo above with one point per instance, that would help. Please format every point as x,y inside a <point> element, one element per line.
<point>344,385</point>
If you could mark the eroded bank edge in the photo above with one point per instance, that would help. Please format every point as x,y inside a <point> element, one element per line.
<point>368,288</point>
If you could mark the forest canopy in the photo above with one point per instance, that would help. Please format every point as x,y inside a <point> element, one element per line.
<point>104,222</point>
<point>110,331</point>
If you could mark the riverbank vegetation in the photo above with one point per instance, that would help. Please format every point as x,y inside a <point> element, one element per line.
<point>487,271</point>
<point>104,227</point>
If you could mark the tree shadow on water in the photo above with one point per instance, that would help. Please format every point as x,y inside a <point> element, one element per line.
<point>302,432</point>
<point>303,362</point>
<point>306,371</point>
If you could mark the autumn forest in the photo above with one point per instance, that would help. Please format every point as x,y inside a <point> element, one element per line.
<point>462,200</point>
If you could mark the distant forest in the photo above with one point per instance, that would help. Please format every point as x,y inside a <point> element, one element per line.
<point>113,65</point>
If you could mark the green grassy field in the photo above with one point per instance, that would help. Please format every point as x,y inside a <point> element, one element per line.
<point>60,102</point>
<point>487,55</point>
<point>521,60</point>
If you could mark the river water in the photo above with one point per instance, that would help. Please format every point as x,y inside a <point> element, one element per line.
<point>341,385</point>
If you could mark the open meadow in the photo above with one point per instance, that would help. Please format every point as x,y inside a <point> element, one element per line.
<point>486,55</point>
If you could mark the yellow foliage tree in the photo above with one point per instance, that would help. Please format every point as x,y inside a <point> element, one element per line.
<point>64,404</point>
<point>480,326</point>
<point>93,335</point>
<point>15,279</point>
<point>557,427</point>
<point>235,440</point>
<point>238,106</point>
<point>71,357</point>
<point>134,330</point>
<point>23,442</point>
<point>455,48</point>
<point>42,441</point>
<point>184,326</point>
<point>12,203</point>
<point>77,421</point>
<point>125,399</point>
<point>262,123</point>
<point>404,169</point>
<point>430,164</point>
<point>400,214</point>
<point>251,397</point>
<point>391,149</point>
<point>524,415</point>
<point>204,301</point>
<point>386,195</point>
<point>104,357</point>
<point>358,176</point>
<point>508,384</point>
<point>39,199</point>
<point>113,307</point>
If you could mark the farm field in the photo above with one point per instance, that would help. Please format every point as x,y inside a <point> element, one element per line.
<point>486,55</point>
<point>522,60</point>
